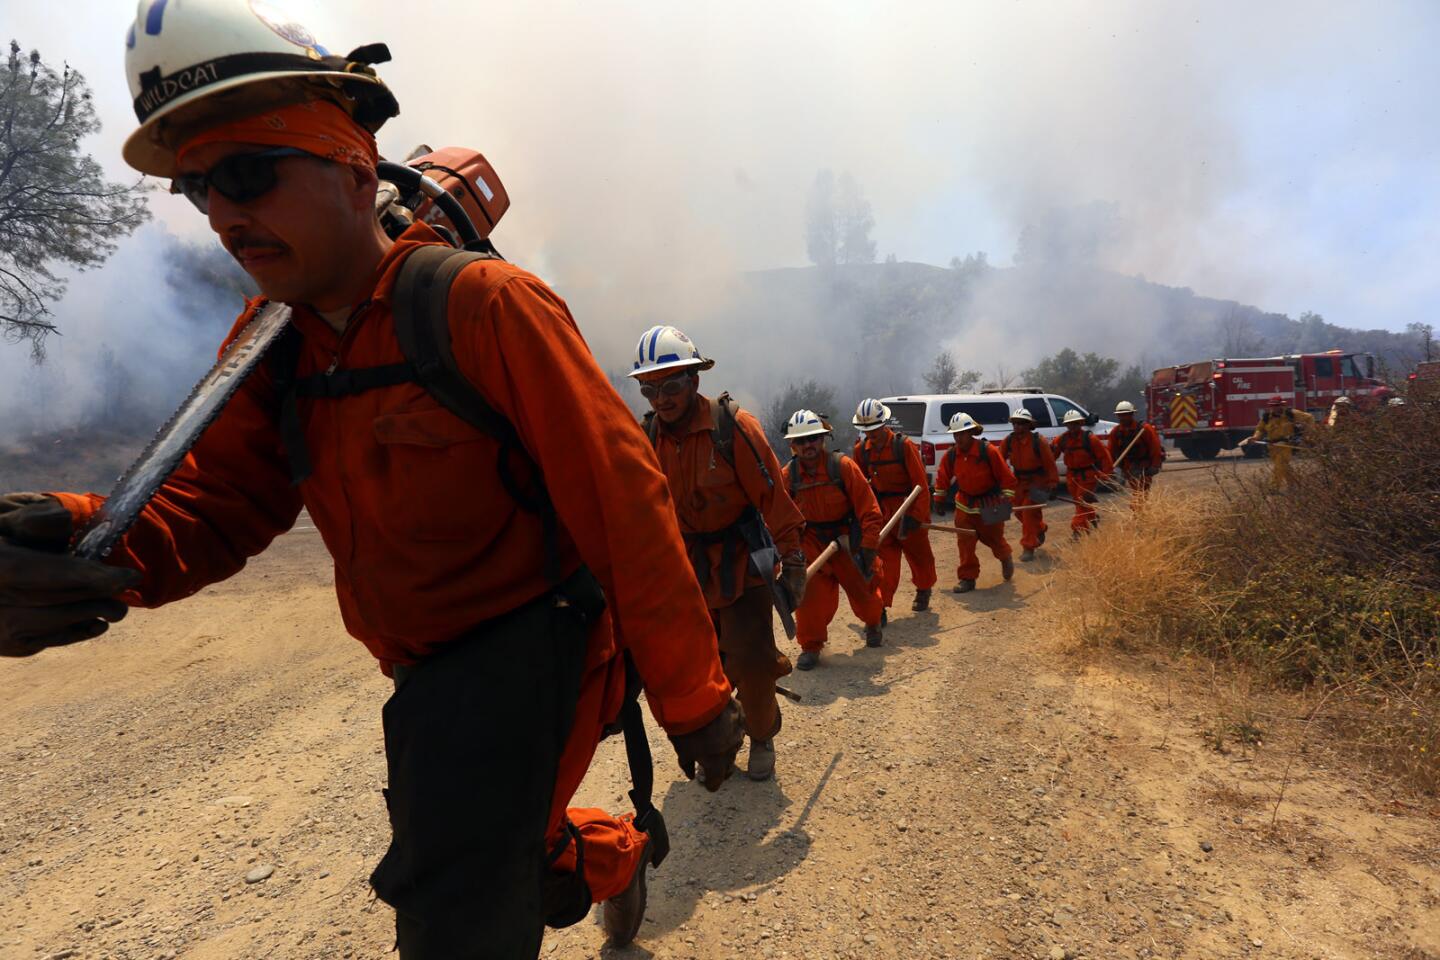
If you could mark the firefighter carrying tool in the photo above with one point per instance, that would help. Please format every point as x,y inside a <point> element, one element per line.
<point>1135,449</point>
<point>738,521</point>
<point>891,462</point>
<point>1033,462</point>
<point>979,480</point>
<point>1087,462</point>
<point>481,555</point>
<point>1282,430</point>
<point>839,506</point>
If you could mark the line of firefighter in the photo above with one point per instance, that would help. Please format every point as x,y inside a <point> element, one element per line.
<point>745,518</point>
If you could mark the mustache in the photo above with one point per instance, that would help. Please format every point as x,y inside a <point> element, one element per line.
<point>239,244</point>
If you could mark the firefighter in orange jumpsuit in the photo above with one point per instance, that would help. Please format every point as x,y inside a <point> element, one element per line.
<point>1087,462</point>
<point>891,462</point>
<point>493,600</point>
<point>1033,463</point>
<point>838,506</point>
<point>737,519</point>
<point>1146,454</point>
<point>979,479</point>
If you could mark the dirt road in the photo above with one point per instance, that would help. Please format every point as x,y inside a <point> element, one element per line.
<point>970,790</point>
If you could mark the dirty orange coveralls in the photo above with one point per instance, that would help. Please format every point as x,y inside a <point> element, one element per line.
<point>1146,456</point>
<point>1087,462</point>
<point>426,541</point>
<point>892,478</point>
<point>825,505</point>
<point>1033,463</point>
<point>711,497</point>
<point>977,473</point>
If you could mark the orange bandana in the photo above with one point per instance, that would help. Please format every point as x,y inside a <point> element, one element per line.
<point>318,127</point>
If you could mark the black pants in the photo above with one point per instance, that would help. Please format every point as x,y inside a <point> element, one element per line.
<point>473,738</point>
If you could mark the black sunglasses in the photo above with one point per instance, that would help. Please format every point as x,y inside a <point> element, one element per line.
<point>670,387</point>
<point>239,178</point>
<point>813,438</point>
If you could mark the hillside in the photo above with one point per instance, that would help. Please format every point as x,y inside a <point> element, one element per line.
<point>874,328</point>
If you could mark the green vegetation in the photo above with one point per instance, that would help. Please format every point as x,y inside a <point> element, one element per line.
<point>1331,588</point>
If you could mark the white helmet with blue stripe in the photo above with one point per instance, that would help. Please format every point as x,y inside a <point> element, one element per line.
<point>870,415</point>
<point>805,423</point>
<point>181,56</point>
<point>666,348</point>
<point>962,422</point>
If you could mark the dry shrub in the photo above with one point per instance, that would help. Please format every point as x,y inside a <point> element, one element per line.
<point>1331,587</point>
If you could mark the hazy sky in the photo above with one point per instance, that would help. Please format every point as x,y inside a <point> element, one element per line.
<point>1282,154</point>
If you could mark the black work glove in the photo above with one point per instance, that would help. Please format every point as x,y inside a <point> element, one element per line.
<point>792,574</point>
<point>1090,498</point>
<point>713,747</point>
<point>48,598</point>
<point>867,560</point>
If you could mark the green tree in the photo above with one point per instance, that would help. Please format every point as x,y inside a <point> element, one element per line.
<point>1087,379</point>
<point>945,376</point>
<point>838,222</point>
<point>56,207</point>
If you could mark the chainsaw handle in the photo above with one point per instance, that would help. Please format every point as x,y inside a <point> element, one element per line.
<point>410,179</point>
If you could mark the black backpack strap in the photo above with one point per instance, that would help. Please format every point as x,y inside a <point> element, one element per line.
<point>284,360</point>
<point>422,325</point>
<point>794,467</point>
<point>723,437</point>
<point>651,426</point>
<point>642,766</point>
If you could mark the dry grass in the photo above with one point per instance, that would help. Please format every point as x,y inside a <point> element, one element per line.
<point>1331,588</point>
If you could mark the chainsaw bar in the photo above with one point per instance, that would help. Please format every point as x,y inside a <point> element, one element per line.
<point>139,483</point>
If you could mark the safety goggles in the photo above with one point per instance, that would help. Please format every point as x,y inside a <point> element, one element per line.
<point>239,178</point>
<point>669,387</point>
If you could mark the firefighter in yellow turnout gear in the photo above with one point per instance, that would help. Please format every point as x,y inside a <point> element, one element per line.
<point>1283,430</point>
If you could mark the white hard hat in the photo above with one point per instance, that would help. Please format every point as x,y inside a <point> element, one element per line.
<point>1396,402</point>
<point>870,415</point>
<point>1023,414</point>
<point>180,54</point>
<point>1124,406</point>
<point>1344,400</point>
<point>1073,416</point>
<point>962,422</point>
<point>666,348</point>
<point>804,423</point>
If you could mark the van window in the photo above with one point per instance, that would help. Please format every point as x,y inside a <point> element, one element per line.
<point>1039,411</point>
<point>988,413</point>
<point>910,416</point>
<point>1062,407</point>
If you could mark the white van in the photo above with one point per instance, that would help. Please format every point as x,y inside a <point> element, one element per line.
<point>924,417</point>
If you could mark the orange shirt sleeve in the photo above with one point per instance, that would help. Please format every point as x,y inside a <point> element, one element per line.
<point>1157,449</point>
<point>1047,461</point>
<point>517,342</point>
<point>1003,474</point>
<point>944,476</point>
<point>772,499</point>
<point>863,502</point>
<point>915,470</point>
<point>229,498</point>
<point>1102,455</point>
<point>1112,442</point>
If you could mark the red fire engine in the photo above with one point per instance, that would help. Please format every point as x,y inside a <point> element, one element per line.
<point>1212,405</point>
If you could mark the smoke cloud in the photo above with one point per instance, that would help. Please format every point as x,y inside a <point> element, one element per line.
<point>659,157</point>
